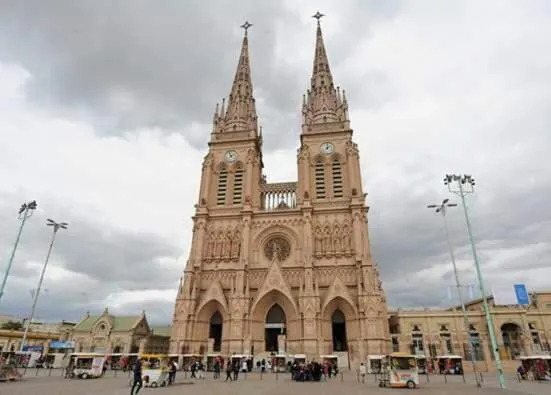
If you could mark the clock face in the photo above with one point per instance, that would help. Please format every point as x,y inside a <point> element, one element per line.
<point>327,148</point>
<point>230,156</point>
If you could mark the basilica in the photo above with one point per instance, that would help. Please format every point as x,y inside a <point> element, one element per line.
<point>282,267</point>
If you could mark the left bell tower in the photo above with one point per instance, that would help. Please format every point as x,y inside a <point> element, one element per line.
<point>229,190</point>
<point>233,166</point>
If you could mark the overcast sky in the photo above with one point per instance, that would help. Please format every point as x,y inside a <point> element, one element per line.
<point>106,108</point>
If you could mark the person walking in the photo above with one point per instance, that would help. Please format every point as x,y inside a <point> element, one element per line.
<point>228,371</point>
<point>138,383</point>
<point>363,372</point>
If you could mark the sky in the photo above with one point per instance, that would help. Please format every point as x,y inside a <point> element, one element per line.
<point>106,109</point>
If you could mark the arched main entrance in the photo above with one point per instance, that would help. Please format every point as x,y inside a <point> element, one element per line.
<point>215,330</point>
<point>274,326</point>
<point>338,330</point>
<point>512,342</point>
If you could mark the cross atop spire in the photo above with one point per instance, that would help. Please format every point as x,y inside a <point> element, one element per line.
<point>240,113</point>
<point>318,15</point>
<point>323,104</point>
<point>246,26</point>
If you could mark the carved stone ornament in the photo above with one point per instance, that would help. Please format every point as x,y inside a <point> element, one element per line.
<point>277,248</point>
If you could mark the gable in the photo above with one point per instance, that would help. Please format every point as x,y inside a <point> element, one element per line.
<point>214,292</point>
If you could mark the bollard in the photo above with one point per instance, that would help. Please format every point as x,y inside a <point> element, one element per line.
<point>463,374</point>
<point>342,377</point>
<point>427,377</point>
<point>116,370</point>
<point>36,371</point>
<point>277,374</point>
<point>445,378</point>
<point>49,371</point>
<point>358,376</point>
<point>261,374</point>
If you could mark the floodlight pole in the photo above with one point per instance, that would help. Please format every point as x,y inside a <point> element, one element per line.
<point>442,210</point>
<point>461,181</point>
<point>56,226</point>
<point>26,211</point>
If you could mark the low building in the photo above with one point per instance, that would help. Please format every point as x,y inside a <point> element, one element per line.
<point>107,333</point>
<point>519,330</point>
<point>10,341</point>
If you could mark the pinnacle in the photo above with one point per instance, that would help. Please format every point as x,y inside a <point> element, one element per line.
<point>239,114</point>
<point>323,103</point>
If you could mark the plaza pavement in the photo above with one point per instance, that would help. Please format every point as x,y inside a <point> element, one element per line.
<point>51,383</point>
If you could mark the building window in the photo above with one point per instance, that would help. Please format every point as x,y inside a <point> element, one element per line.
<point>447,338</point>
<point>337,179</point>
<point>238,186</point>
<point>395,344</point>
<point>417,343</point>
<point>320,180</point>
<point>222,188</point>
<point>477,349</point>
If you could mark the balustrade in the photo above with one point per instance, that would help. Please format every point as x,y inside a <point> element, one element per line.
<point>278,196</point>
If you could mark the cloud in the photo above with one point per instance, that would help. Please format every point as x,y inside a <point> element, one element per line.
<point>105,112</point>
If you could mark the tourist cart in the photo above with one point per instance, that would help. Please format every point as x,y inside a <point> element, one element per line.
<point>86,365</point>
<point>450,364</point>
<point>400,371</point>
<point>299,358</point>
<point>375,363</point>
<point>154,370</point>
<point>422,364</point>
<point>280,363</point>
<point>8,369</point>
<point>538,365</point>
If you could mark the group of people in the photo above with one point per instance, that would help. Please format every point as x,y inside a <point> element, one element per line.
<point>312,371</point>
<point>534,371</point>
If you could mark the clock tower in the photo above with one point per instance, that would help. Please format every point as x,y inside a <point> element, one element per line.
<point>282,267</point>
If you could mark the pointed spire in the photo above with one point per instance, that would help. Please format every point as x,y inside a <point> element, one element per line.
<point>240,112</point>
<point>323,103</point>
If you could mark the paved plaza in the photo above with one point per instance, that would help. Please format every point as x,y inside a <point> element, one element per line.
<point>45,384</point>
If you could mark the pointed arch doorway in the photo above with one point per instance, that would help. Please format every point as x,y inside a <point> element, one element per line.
<point>215,330</point>
<point>274,326</point>
<point>338,329</point>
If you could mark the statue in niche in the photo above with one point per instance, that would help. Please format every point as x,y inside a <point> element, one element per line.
<point>211,245</point>
<point>346,242</point>
<point>227,244</point>
<point>219,245</point>
<point>236,244</point>
<point>337,239</point>
<point>318,241</point>
<point>327,240</point>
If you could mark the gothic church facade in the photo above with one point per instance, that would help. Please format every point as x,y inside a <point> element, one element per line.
<point>282,267</point>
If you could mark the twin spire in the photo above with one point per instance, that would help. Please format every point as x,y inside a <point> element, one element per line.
<point>322,104</point>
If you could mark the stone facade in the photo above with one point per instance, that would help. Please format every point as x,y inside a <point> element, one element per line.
<point>520,330</point>
<point>107,333</point>
<point>282,267</point>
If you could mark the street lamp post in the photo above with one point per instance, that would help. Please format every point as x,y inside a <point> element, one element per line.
<point>56,226</point>
<point>26,211</point>
<point>442,209</point>
<point>462,185</point>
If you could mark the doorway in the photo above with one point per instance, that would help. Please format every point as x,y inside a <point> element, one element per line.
<point>215,331</point>
<point>274,326</point>
<point>338,326</point>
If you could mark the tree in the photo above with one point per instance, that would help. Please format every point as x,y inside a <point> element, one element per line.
<point>12,325</point>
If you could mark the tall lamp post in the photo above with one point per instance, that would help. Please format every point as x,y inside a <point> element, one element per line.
<point>442,209</point>
<point>56,226</point>
<point>26,211</point>
<point>461,185</point>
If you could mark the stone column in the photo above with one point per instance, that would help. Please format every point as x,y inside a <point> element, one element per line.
<point>356,226</point>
